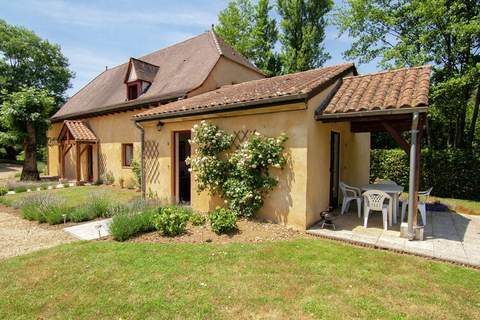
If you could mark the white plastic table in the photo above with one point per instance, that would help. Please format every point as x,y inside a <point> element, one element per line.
<point>393,190</point>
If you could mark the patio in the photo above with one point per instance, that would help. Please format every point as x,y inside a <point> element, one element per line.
<point>449,236</point>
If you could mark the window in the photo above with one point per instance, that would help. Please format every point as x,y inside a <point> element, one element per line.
<point>132,91</point>
<point>127,154</point>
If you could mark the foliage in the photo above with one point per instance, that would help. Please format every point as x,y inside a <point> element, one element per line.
<point>241,176</point>
<point>99,204</point>
<point>137,172</point>
<point>445,33</point>
<point>197,219</point>
<point>43,208</point>
<point>303,25</point>
<point>450,172</point>
<point>3,190</point>
<point>223,220</point>
<point>172,220</point>
<point>252,30</point>
<point>108,178</point>
<point>26,113</point>
<point>128,224</point>
<point>27,61</point>
<point>20,189</point>
<point>121,182</point>
<point>82,213</point>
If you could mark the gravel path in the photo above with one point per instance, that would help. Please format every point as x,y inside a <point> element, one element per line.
<point>19,236</point>
<point>8,170</point>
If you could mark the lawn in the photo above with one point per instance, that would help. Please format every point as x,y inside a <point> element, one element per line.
<point>76,196</point>
<point>459,205</point>
<point>299,279</point>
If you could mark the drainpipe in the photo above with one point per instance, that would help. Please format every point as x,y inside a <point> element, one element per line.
<point>142,161</point>
<point>412,175</point>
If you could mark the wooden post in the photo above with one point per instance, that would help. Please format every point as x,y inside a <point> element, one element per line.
<point>418,153</point>
<point>77,145</point>
<point>62,160</point>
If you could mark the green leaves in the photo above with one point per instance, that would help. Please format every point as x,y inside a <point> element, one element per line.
<point>241,176</point>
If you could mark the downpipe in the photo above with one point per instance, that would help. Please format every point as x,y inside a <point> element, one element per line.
<point>412,178</point>
<point>142,158</point>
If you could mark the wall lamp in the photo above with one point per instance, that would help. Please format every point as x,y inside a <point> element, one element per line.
<point>160,125</point>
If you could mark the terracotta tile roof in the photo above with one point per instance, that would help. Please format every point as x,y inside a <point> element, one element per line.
<point>80,131</point>
<point>298,85</point>
<point>395,89</point>
<point>181,68</point>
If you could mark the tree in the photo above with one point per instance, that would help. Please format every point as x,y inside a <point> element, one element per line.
<point>303,25</point>
<point>250,30</point>
<point>265,36</point>
<point>445,33</point>
<point>27,60</point>
<point>27,112</point>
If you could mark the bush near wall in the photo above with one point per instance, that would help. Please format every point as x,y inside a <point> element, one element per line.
<point>451,173</point>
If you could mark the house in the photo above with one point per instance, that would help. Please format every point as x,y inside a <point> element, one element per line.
<point>96,124</point>
<point>327,114</point>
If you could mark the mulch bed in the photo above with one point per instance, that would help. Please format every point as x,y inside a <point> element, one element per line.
<point>249,231</point>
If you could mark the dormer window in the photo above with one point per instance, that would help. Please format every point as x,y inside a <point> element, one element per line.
<point>133,90</point>
<point>139,77</point>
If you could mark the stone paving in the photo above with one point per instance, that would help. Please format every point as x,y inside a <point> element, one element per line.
<point>448,235</point>
<point>90,230</point>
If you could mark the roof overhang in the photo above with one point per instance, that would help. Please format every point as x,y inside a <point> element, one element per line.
<point>352,116</point>
<point>248,105</point>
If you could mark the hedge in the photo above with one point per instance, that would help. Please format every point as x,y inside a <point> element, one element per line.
<point>451,173</point>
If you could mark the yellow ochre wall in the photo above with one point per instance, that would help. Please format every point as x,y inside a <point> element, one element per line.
<point>303,190</point>
<point>111,130</point>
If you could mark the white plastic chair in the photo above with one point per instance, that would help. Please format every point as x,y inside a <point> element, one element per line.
<point>375,201</point>
<point>349,194</point>
<point>422,206</point>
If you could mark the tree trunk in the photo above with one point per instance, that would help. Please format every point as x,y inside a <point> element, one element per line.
<point>473,124</point>
<point>30,171</point>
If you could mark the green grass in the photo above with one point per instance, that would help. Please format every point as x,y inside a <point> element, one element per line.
<point>459,205</point>
<point>77,196</point>
<point>300,279</point>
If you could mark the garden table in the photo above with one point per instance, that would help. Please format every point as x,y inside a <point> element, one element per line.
<point>393,190</point>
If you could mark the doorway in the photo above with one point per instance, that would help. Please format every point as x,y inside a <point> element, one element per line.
<point>90,163</point>
<point>182,181</point>
<point>334,168</point>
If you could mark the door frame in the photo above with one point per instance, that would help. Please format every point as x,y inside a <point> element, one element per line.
<point>333,199</point>
<point>175,173</point>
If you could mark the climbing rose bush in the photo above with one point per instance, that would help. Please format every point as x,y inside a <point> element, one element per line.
<point>240,176</point>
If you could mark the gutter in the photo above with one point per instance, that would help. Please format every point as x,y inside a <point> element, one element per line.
<point>142,158</point>
<point>124,106</point>
<point>225,108</point>
<point>371,113</point>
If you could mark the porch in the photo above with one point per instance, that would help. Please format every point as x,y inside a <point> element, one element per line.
<point>448,236</point>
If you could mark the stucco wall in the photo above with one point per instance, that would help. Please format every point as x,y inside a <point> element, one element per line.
<point>226,72</point>
<point>286,203</point>
<point>111,130</point>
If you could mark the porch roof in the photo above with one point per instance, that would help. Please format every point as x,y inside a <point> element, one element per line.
<point>79,131</point>
<point>400,91</point>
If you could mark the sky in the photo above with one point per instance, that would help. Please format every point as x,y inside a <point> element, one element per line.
<point>100,33</point>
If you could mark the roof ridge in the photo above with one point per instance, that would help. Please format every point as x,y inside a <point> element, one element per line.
<point>387,71</point>
<point>215,41</point>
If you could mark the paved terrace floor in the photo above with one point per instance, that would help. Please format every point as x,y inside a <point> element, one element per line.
<point>448,235</point>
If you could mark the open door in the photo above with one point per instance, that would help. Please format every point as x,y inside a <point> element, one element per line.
<point>334,168</point>
<point>182,175</point>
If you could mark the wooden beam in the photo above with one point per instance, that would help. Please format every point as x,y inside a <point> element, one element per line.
<point>78,162</point>
<point>376,126</point>
<point>83,151</point>
<point>62,160</point>
<point>396,135</point>
<point>418,153</point>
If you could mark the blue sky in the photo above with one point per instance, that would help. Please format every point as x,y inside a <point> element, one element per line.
<point>95,34</point>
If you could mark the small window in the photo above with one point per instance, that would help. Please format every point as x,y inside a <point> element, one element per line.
<point>132,91</point>
<point>127,154</point>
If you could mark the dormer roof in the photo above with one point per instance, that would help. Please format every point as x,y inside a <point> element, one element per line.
<point>140,70</point>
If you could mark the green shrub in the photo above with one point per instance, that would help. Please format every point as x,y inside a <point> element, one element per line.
<point>223,220</point>
<point>172,220</point>
<point>197,219</point>
<point>108,178</point>
<point>128,224</point>
<point>82,213</point>
<point>99,204</point>
<point>54,214</point>
<point>31,212</point>
<point>450,172</point>
<point>137,171</point>
<point>3,190</point>
<point>20,189</point>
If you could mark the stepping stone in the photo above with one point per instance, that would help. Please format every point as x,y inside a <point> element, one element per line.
<point>90,230</point>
